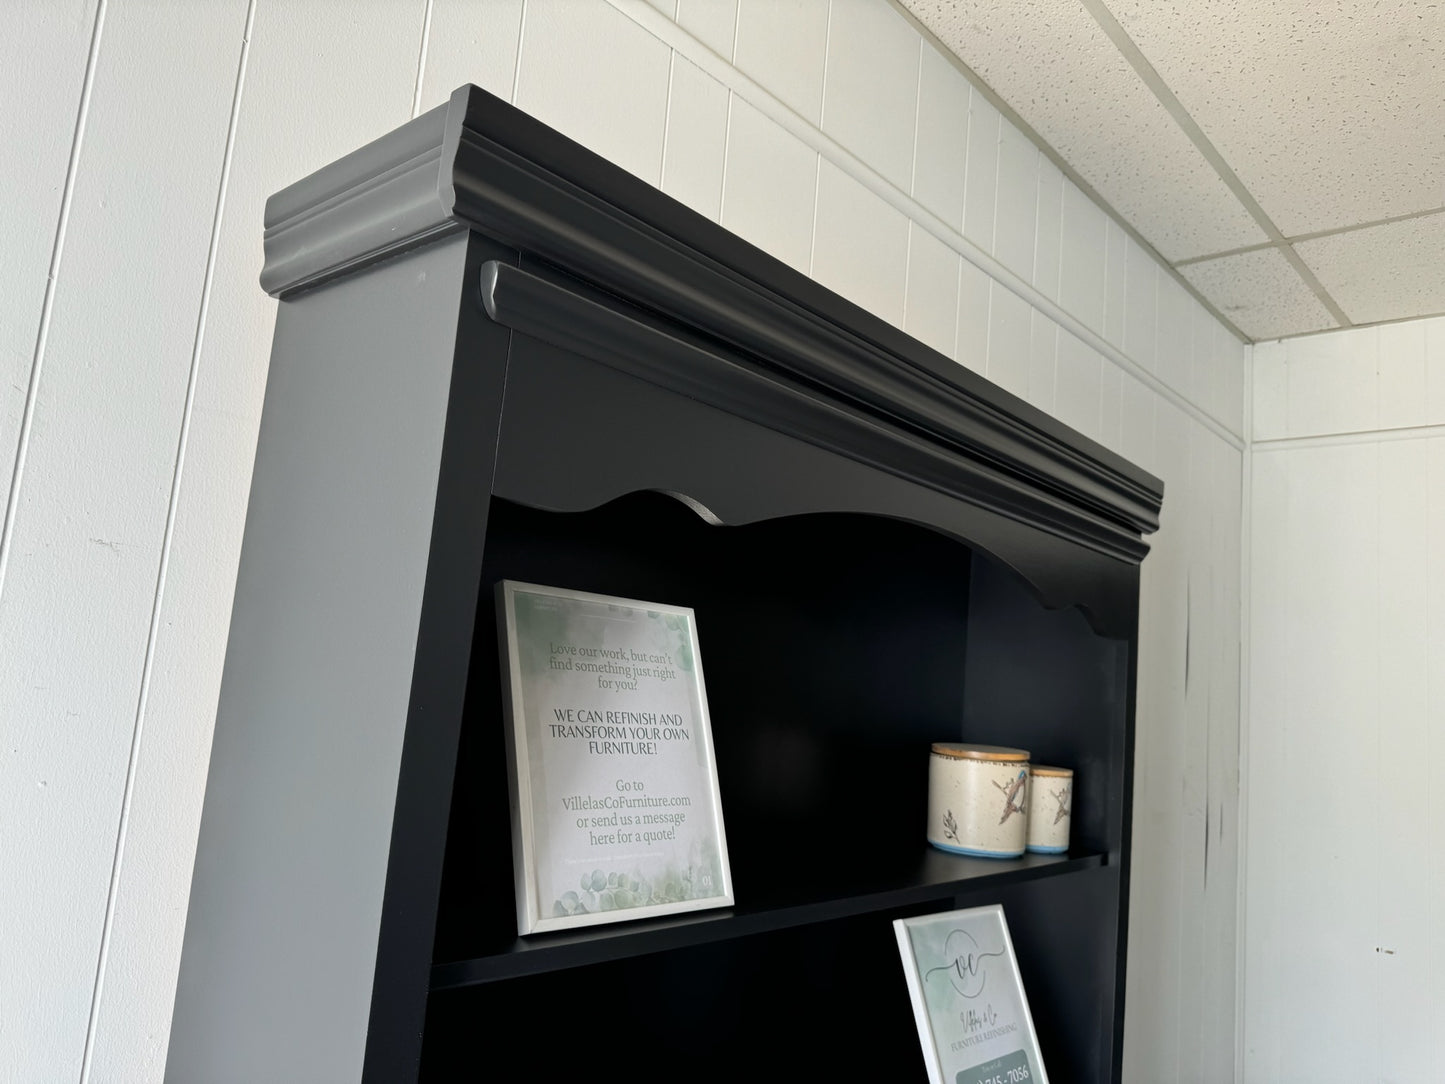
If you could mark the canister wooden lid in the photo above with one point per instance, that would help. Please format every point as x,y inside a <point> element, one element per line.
<point>961,751</point>
<point>1046,770</point>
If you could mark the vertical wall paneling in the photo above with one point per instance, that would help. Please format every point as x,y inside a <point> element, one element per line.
<point>1433,939</point>
<point>830,134</point>
<point>1009,340</point>
<point>1111,391</point>
<point>1205,379</point>
<point>1016,219</point>
<point>692,153</point>
<point>1400,364</point>
<point>1362,380</point>
<point>973,317</point>
<point>1219,938</point>
<point>1041,375</point>
<point>713,23</point>
<point>870,90</point>
<point>1435,369</point>
<point>1332,383</point>
<point>1230,354</point>
<point>981,171</point>
<point>769,186</point>
<point>1157,921</point>
<point>1269,391</point>
<point>43,56</point>
<point>1401,879</point>
<point>860,245</point>
<point>1342,867</point>
<point>1082,269</point>
<point>783,47</point>
<point>1174,338</point>
<point>1048,239</point>
<point>941,152</point>
<point>1269,708</point>
<point>1183,896</point>
<point>471,43</point>
<point>1244,655</point>
<point>295,55</point>
<point>1137,408</point>
<point>80,583</point>
<point>1321,756</point>
<point>1195,654</point>
<point>596,76</point>
<point>931,314</point>
<point>1141,305</point>
<point>1335,853</point>
<point>1115,282</point>
<point>1077,389</point>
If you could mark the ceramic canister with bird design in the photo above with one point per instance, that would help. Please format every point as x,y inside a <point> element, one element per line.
<point>1051,805</point>
<point>978,799</point>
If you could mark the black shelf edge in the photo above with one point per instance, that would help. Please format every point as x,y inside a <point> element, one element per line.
<point>942,877</point>
<point>548,309</point>
<point>478,163</point>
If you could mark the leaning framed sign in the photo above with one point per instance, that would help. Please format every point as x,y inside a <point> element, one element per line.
<point>615,807</point>
<point>968,1000</point>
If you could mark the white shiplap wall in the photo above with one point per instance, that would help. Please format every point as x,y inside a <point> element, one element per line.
<point>1344,877</point>
<point>135,342</point>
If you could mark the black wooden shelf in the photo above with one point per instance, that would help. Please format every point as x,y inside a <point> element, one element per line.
<point>939,877</point>
<point>514,355</point>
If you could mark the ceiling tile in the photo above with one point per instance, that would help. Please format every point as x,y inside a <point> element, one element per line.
<point>1389,272</point>
<point>1260,293</point>
<point>1331,114</point>
<point>1050,61</point>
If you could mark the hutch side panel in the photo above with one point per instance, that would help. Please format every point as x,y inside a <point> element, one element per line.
<point>292,858</point>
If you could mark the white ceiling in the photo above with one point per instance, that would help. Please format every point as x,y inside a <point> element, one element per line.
<point>1287,157</point>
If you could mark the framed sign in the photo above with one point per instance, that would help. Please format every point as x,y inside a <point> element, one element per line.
<point>615,808</point>
<point>968,1001</point>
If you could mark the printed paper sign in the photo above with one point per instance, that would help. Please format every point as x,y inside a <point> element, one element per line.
<point>614,788</point>
<point>968,1001</point>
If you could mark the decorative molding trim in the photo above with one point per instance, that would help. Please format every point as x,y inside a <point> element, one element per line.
<point>374,203</point>
<point>865,430</point>
<point>1361,436</point>
<point>478,163</point>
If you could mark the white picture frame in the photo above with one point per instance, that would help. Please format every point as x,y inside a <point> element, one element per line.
<point>616,813</point>
<point>968,1000</point>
